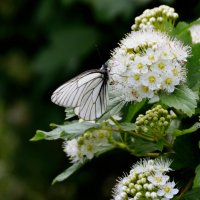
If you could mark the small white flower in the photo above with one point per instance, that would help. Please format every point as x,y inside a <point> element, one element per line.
<point>139,65</point>
<point>151,55</point>
<point>165,53</point>
<point>162,66</point>
<point>71,148</point>
<point>132,94</point>
<point>140,167</point>
<point>145,92</point>
<point>88,149</point>
<point>158,178</point>
<point>100,137</point>
<point>122,59</point>
<point>169,82</point>
<point>162,165</point>
<point>152,80</point>
<point>135,79</point>
<point>179,51</point>
<point>168,190</point>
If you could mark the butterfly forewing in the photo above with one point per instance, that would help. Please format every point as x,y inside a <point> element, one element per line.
<point>63,95</point>
<point>86,93</point>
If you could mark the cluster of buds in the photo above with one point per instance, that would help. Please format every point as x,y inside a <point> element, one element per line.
<point>147,180</point>
<point>151,18</point>
<point>86,146</point>
<point>155,121</point>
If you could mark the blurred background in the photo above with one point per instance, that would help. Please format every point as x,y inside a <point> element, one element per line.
<point>43,43</point>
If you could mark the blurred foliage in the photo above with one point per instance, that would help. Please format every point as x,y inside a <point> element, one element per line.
<point>42,44</point>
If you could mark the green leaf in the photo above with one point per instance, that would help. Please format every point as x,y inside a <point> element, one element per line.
<point>196,182</point>
<point>192,129</point>
<point>186,155</point>
<point>182,32</point>
<point>102,149</point>
<point>193,66</point>
<point>76,166</point>
<point>75,129</point>
<point>51,135</point>
<point>192,195</point>
<point>183,99</point>
<point>133,110</point>
<point>67,131</point>
<point>174,125</point>
<point>181,27</point>
<point>69,113</point>
<point>114,107</point>
<point>126,126</point>
<point>68,172</point>
<point>141,147</point>
<point>160,144</point>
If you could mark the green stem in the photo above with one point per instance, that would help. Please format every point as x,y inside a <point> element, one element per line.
<point>115,122</point>
<point>187,187</point>
<point>143,136</point>
<point>120,145</point>
<point>146,137</point>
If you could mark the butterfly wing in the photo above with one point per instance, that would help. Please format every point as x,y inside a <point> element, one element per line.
<point>94,101</point>
<point>87,93</point>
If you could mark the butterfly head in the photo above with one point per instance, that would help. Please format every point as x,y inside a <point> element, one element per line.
<point>104,67</point>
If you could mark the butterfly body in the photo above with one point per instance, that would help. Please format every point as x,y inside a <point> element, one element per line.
<point>87,93</point>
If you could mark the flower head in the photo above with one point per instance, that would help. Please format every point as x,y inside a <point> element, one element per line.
<point>194,30</point>
<point>155,122</point>
<point>86,145</point>
<point>146,181</point>
<point>152,18</point>
<point>71,148</point>
<point>147,62</point>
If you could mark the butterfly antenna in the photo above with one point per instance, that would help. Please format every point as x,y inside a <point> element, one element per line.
<point>99,54</point>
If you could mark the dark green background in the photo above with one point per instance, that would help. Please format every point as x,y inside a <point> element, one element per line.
<point>43,43</point>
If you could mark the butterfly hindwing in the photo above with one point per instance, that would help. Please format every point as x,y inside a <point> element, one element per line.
<point>86,93</point>
<point>94,102</point>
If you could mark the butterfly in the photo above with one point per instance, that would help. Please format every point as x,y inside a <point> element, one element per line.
<point>87,93</point>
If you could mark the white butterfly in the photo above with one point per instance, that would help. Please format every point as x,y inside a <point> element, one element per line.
<point>87,93</point>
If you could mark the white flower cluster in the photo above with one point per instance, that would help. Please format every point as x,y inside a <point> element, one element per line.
<point>146,180</point>
<point>152,17</point>
<point>146,62</point>
<point>86,145</point>
<point>195,30</point>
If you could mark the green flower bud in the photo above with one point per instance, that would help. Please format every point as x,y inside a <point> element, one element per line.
<point>151,124</point>
<point>138,187</point>
<point>133,191</point>
<point>131,185</point>
<point>166,123</point>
